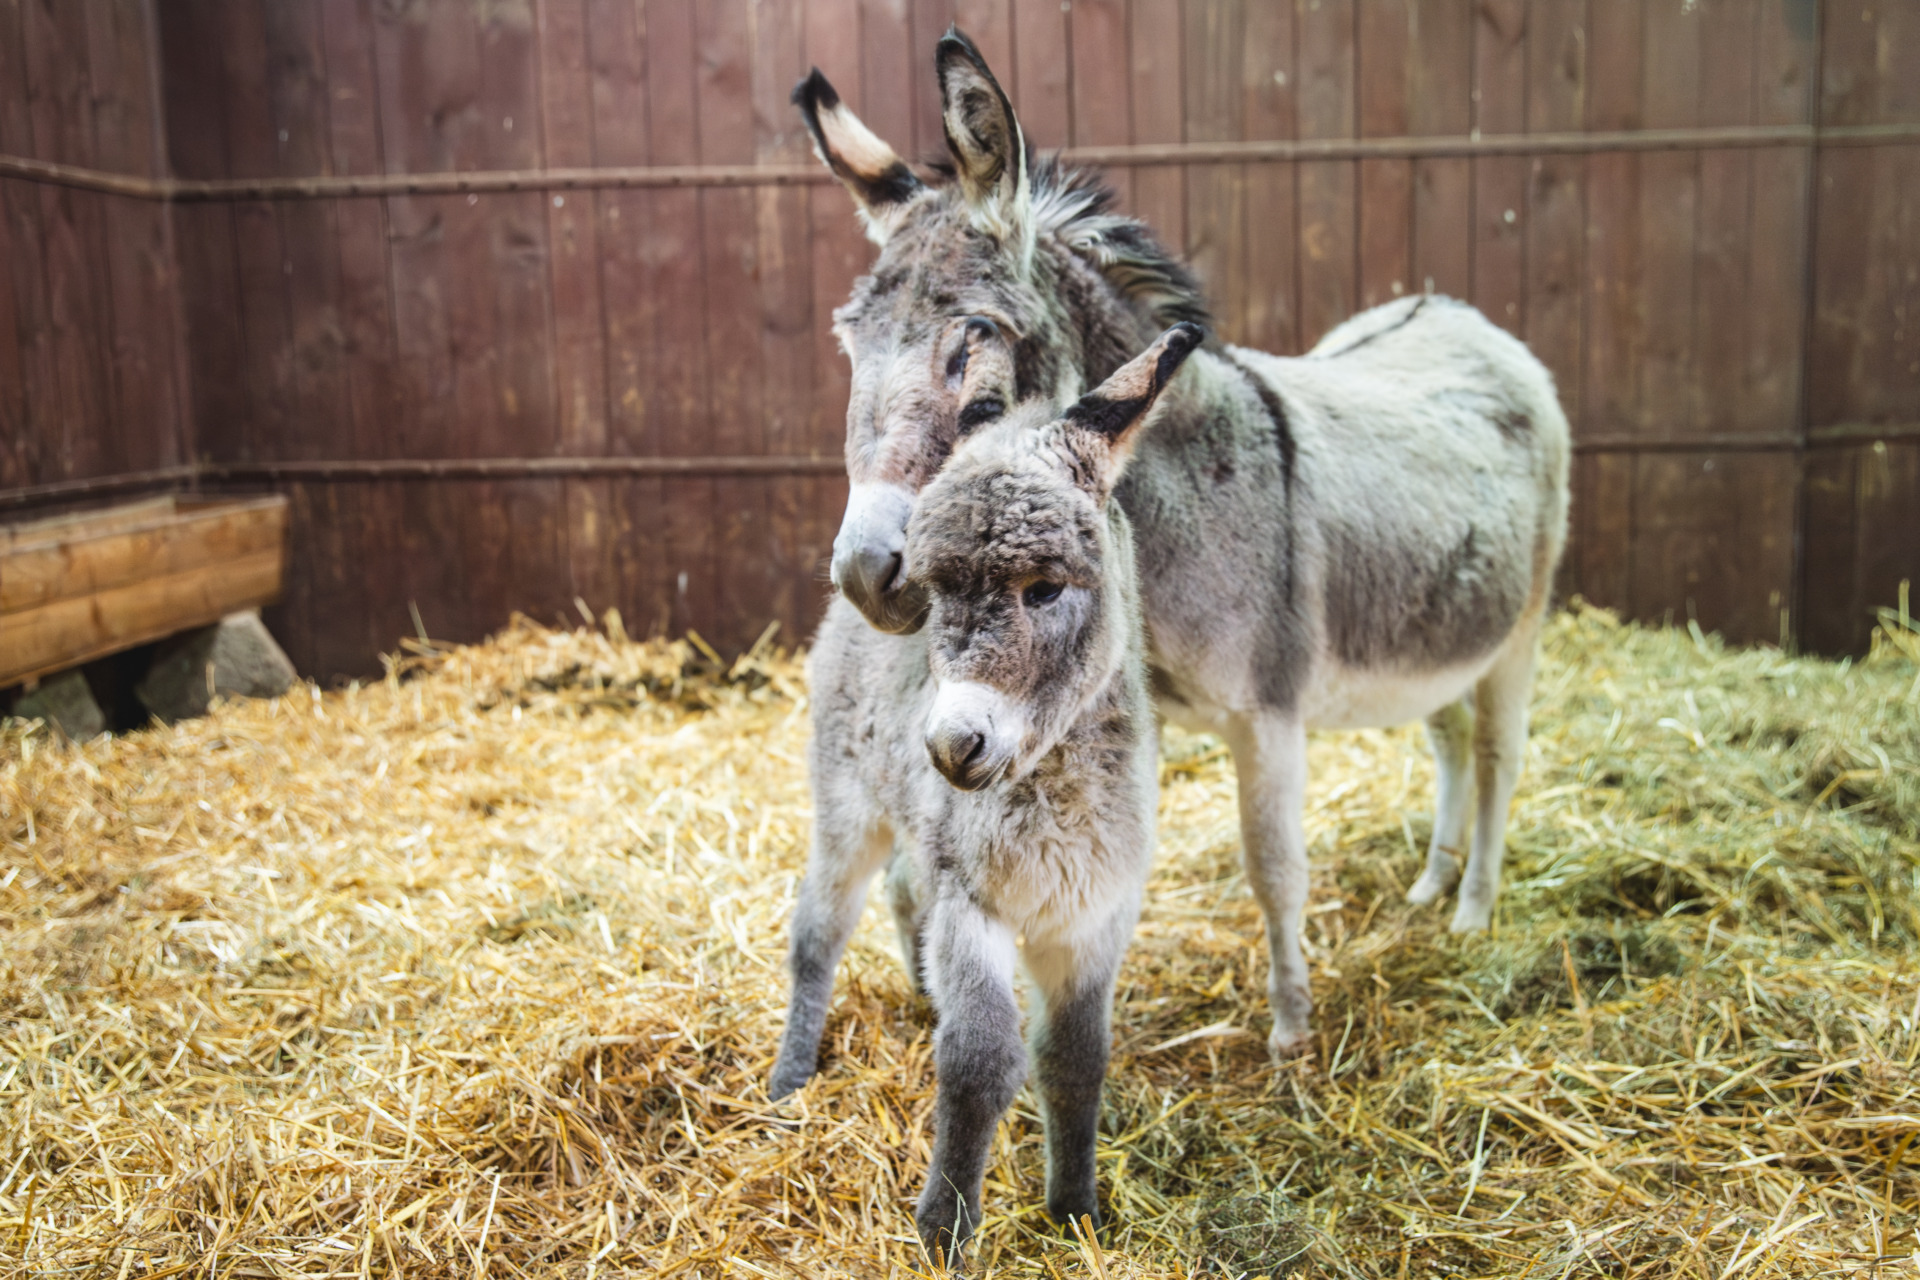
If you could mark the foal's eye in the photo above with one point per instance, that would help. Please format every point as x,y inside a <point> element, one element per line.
<point>983,410</point>
<point>1041,592</point>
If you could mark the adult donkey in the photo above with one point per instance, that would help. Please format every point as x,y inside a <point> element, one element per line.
<point>1360,536</point>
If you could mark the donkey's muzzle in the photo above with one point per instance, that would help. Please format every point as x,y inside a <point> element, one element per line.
<point>869,555</point>
<point>973,734</point>
<point>960,754</point>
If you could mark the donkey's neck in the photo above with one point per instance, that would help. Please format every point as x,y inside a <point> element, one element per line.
<point>1109,329</point>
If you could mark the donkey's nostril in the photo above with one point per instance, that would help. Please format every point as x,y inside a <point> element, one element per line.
<point>956,753</point>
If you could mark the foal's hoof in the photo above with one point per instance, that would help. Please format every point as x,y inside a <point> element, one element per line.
<point>1292,1022</point>
<point>1471,917</point>
<point>1286,1044</point>
<point>1434,884</point>
<point>787,1079</point>
<point>944,1224</point>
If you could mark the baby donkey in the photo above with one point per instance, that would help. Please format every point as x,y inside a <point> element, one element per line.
<point>1027,693</point>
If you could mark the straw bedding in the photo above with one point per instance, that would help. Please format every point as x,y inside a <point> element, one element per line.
<point>477,971</point>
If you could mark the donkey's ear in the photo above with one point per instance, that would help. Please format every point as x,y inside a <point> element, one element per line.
<point>989,150</point>
<point>878,178</point>
<point>1109,417</point>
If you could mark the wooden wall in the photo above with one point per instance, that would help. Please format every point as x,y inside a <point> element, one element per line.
<point>91,375</point>
<point>1735,328</point>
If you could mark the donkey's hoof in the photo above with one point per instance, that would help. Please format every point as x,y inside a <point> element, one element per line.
<point>787,1080</point>
<point>1471,917</point>
<point>1285,1046</point>
<point>944,1224</point>
<point>1434,884</point>
<point>1292,1038</point>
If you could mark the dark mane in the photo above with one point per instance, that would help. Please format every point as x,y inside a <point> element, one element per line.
<point>1075,206</point>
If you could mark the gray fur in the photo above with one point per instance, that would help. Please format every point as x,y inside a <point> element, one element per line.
<point>1027,690</point>
<point>1360,536</point>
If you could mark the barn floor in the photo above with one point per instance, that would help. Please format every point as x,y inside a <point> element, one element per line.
<point>477,971</point>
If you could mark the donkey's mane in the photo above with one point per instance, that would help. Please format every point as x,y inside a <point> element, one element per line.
<point>1075,206</point>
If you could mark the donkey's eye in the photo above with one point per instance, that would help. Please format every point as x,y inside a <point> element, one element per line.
<point>1041,592</point>
<point>982,410</point>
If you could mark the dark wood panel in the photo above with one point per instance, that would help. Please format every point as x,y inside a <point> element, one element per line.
<point>1499,237</point>
<point>1326,59</point>
<point>1269,84</point>
<point>1667,292</point>
<point>1862,540</point>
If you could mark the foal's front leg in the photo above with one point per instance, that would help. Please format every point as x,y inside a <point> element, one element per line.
<point>1070,1050</point>
<point>1270,761</point>
<point>978,1059</point>
<point>844,857</point>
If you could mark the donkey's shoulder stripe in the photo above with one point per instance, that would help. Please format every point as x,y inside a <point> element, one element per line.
<point>1276,413</point>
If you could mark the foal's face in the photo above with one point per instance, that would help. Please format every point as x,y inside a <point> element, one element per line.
<point>952,327</point>
<point>1029,585</point>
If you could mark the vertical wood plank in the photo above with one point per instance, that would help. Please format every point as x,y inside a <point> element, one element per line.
<point>1385,185</point>
<point>787,315</point>
<point>1440,101</point>
<point>674,253</point>
<point>744,572</point>
<point>1830,604</point>
<point>1615,340</point>
<point>1500,182</point>
<point>1270,84</point>
<point>1554,217</point>
<point>1215,42</point>
<point>1713,540</point>
<point>1669,220</point>
<point>1155,72</point>
<point>1329,288</point>
<point>79,386</point>
<point>1040,63</point>
<point>1601,518</point>
<point>360,228</point>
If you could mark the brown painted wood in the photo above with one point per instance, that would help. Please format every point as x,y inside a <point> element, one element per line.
<point>1499,236</point>
<point>1440,87</point>
<point>1214,42</point>
<point>1040,65</point>
<point>1663,277</point>
<point>1385,185</point>
<point>1328,190</point>
<point>1269,85</point>
<point>1554,216</point>
<point>1155,69</point>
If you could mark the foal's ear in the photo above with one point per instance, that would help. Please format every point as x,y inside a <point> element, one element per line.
<point>989,150</point>
<point>878,178</point>
<point>1108,418</point>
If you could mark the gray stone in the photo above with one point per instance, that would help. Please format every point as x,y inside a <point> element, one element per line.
<point>235,658</point>
<point>65,702</point>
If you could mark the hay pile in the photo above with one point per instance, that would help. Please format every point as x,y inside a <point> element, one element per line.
<point>477,971</point>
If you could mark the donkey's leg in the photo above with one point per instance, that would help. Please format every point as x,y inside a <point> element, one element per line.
<point>1270,761</point>
<point>978,1062</point>
<point>1071,1041</point>
<point>909,912</point>
<point>843,859</point>
<point>1450,730</point>
<point>1499,746</point>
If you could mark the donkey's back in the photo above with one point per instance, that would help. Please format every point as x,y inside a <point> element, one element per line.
<point>1426,509</point>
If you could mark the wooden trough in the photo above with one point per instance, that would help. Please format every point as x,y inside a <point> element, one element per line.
<point>78,587</point>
